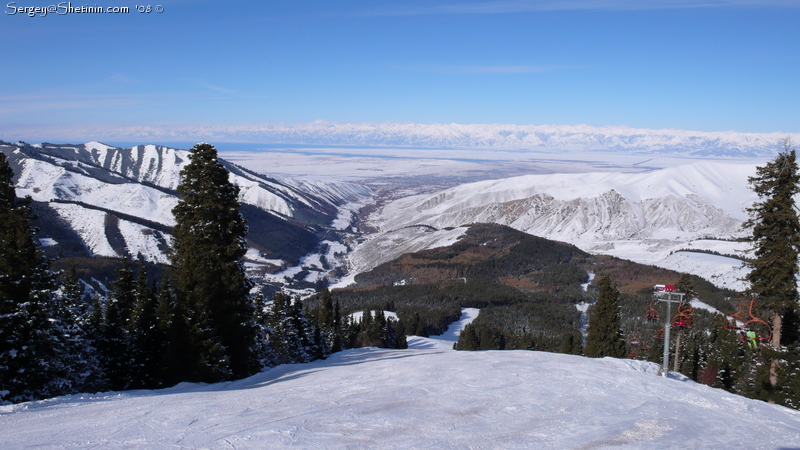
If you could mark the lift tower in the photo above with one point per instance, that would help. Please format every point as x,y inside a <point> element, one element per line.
<point>667,294</point>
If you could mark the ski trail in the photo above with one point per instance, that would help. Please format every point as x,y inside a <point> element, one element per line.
<point>445,340</point>
<point>583,307</point>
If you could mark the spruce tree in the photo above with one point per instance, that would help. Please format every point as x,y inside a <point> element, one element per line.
<point>605,337</point>
<point>210,282</point>
<point>115,343</point>
<point>776,236</point>
<point>146,337</point>
<point>289,338</point>
<point>72,314</point>
<point>31,344</point>
<point>686,286</point>
<point>173,329</point>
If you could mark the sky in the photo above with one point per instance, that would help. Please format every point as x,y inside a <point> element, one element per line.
<point>708,65</point>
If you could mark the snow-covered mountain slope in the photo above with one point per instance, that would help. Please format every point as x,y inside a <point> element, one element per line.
<point>424,397</point>
<point>119,199</point>
<point>644,217</point>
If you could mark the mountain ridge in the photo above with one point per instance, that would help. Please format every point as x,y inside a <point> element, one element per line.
<point>615,138</point>
<point>120,200</point>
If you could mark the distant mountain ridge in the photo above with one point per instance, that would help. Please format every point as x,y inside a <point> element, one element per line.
<point>644,217</point>
<point>488,136</point>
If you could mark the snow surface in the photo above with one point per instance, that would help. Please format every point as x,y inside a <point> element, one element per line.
<point>415,398</point>
<point>356,316</point>
<point>47,242</point>
<point>702,305</point>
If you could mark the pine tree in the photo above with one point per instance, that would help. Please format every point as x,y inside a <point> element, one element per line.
<point>115,343</point>
<point>72,314</point>
<point>686,286</point>
<point>605,337</point>
<point>146,337</point>
<point>337,343</point>
<point>265,353</point>
<point>173,329</point>
<point>210,282</point>
<point>289,338</point>
<point>776,240</point>
<point>776,236</point>
<point>32,345</point>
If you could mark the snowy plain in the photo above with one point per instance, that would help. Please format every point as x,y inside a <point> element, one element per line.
<point>427,396</point>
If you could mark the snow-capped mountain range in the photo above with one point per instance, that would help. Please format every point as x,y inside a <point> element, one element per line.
<point>488,136</point>
<point>88,184</point>
<point>645,217</point>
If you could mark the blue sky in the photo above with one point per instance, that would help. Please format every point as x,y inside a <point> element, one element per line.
<point>709,65</point>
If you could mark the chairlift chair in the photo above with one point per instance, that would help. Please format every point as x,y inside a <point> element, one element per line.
<point>652,314</point>
<point>735,322</point>
<point>761,328</point>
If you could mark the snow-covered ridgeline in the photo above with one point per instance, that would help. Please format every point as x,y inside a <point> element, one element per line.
<point>160,167</point>
<point>45,181</point>
<point>140,182</point>
<point>644,217</point>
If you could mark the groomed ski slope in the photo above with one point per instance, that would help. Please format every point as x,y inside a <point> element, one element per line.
<point>425,397</point>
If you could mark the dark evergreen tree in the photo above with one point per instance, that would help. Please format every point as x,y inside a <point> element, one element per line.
<point>210,282</point>
<point>686,286</point>
<point>288,331</point>
<point>72,313</point>
<point>326,313</point>
<point>776,236</point>
<point>32,345</point>
<point>467,339</point>
<point>146,337</point>
<point>776,240</point>
<point>115,344</point>
<point>173,328</point>
<point>94,335</point>
<point>265,353</point>
<point>337,343</point>
<point>604,336</point>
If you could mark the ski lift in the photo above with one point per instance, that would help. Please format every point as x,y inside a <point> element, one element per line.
<point>660,334</point>
<point>755,329</point>
<point>735,321</point>
<point>652,314</point>
<point>633,342</point>
<point>685,317</point>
